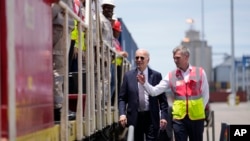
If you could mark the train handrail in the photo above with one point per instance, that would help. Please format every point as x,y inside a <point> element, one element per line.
<point>64,118</point>
<point>210,123</point>
<point>98,99</point>
<point>11,70</point>
<point>130,133</point>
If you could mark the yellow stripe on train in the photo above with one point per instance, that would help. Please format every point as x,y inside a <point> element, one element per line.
<point>50,134</point>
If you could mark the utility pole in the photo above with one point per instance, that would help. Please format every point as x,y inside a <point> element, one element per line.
<point>202,21</point>
<point>202,49</point>
<point>233,93</point>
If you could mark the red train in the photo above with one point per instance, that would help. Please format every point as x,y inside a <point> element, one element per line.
<point>27,79</point>
<point>26,67</point>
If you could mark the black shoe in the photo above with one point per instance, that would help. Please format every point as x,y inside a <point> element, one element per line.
<point>71,115</point>
<point>57,115</point>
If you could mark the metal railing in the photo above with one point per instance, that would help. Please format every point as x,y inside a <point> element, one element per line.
<point>98,112</point>
<point>130,133</point>
<point>210,123</point>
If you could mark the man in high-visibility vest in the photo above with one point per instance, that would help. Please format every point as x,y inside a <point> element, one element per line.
<point>79,9</point>
<point>191,94</point>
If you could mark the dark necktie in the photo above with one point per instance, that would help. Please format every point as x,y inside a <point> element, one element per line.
<point>141,96</point>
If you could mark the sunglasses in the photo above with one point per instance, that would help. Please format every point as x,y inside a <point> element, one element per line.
<point>141,57</point>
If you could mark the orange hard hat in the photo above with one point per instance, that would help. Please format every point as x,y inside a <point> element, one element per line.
<point>117,26</point>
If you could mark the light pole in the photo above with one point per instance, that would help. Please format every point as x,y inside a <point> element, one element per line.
<point>202,20</point>
<point>233,93</point>
<point>202,35</point>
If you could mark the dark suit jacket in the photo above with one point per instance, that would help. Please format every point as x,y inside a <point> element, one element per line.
<point>129,98</point>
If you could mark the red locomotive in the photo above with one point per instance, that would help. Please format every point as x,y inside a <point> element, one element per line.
<point>27,79</point>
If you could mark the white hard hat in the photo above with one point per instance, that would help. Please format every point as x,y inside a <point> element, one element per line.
<point>109,2</point>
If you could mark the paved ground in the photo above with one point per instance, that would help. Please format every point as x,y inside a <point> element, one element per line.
<point>225,113</point>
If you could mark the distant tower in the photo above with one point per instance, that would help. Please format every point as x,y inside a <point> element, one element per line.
<point>190,21</point>
<point>201,53</point>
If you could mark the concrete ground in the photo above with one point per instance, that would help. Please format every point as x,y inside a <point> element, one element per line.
<point>229,114</point>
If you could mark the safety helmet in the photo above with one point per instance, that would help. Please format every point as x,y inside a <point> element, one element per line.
<point>117,26</point>
<point>108,2</point>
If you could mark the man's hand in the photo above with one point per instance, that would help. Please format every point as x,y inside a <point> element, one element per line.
<point>123,54</point>
<point>123,121</point>
<point>141,78</point>
<point>163,124</point>
<point>75,53</point>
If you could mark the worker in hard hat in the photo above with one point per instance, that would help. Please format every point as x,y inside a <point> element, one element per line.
<point>117,29</point>
<point>118,60</point>
<point>106,17</point>
<point>107,40</point>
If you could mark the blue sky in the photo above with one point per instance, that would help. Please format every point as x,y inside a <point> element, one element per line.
<point>160,25</point>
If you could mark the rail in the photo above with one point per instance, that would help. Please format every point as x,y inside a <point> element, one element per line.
<point>64,118</point>
<point>210,123</point>
<point>98,112</point>
<point>130,133</point>
<point>224,133</point>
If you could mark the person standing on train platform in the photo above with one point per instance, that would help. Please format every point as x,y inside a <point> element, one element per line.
<point>191,94</point>
<point>79,9</point>
<point>136,108</point>
<point>58,56</point>
<point>117,29</point>
<point>106,18</point>
<point>107,38</point>
<point>117,62</point>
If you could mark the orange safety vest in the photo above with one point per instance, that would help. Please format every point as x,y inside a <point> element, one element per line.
<point>187,95</point>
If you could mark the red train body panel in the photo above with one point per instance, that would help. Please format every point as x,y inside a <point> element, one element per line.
<point>26,98</point>
<point>33,66</point>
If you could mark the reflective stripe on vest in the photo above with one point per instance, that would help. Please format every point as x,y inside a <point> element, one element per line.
<point>188,98</point>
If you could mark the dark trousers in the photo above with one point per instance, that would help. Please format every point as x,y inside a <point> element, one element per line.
<point>145,127</point>
<point>188,128</point>
<point>119,77</point>
<point>72,65</point>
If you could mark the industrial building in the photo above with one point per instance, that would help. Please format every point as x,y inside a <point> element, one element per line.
<point>220,76</point>
<point>201,52</point>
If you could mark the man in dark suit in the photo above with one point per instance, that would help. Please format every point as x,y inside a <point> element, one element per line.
<point>136,107</point>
